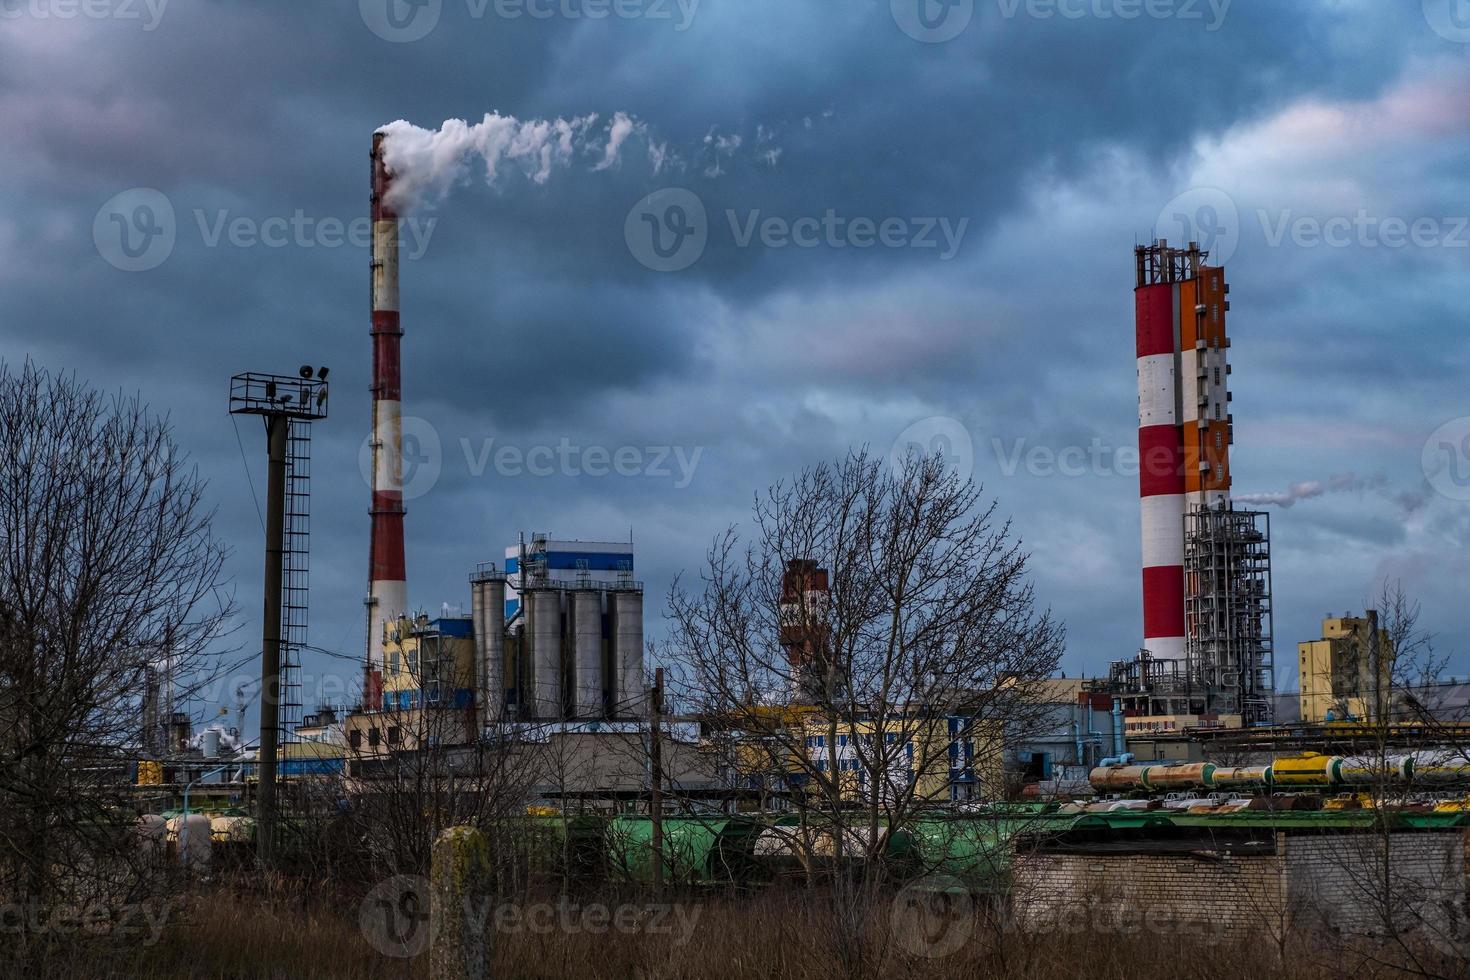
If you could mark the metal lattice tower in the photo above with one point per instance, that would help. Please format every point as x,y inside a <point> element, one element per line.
<point>1228,625</point>
<point>295,579</point>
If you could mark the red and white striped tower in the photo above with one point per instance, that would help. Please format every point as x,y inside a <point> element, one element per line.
<point>1161,464</point>
<point>388,579</point>
<point>1183,424</point>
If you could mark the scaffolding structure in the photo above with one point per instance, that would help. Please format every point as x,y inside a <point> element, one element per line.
<point>1227,611</point>
<point>1158,263</point>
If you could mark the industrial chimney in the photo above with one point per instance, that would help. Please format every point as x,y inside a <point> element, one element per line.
<point>387,586</point>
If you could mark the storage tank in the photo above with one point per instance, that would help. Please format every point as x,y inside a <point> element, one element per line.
<point>629,698</point>
<point>210,746</point>
<point>1119,779</point>
<point>190,835</point>
<point>1307,770</point>
<point>1366,770</point>
<point>1241,777</point>
<point>544,629</point>
<point>587,650</point>
<point>1438,767</point>
<point>152,834</point>
<point>1189,775</point>
<point>232,830</point>
<point>487,606</point>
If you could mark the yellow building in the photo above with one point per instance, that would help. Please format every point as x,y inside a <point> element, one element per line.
<point>942,758</point>
<point>428,687</point>
<point>1346,675</point>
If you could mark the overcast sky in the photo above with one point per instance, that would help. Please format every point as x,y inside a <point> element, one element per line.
<point>973,182</point>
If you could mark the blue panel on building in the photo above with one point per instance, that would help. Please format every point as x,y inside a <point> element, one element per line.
<point>455,627</point>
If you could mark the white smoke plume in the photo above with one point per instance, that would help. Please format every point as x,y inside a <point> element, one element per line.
<point>428,163</point>
<point>1377,484</point>
<point>1297,491</point>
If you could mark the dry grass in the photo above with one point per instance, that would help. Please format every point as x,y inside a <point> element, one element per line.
<point>230,933</point>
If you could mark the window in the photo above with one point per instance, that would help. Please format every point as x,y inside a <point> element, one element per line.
<point>393,735</point>
<point>354,738</point>
<point>373,736</point>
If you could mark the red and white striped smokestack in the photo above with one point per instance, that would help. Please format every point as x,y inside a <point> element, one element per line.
<point>388,585</point>
<point>1161,467</point>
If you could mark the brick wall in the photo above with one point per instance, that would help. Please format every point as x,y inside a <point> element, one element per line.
<point>1338,881</point>
<point>1330,880</point>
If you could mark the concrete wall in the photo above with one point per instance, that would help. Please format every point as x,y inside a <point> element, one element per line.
<point>1328,881</point>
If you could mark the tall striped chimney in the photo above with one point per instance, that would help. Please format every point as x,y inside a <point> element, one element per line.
<point>1183,423</point>
<point>387,584</point>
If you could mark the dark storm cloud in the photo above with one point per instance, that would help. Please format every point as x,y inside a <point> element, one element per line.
<point>531,323</point>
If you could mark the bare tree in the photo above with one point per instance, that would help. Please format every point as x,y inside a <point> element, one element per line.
<point>858,693</point>
<point>107,567</point>
<point>422,764</point>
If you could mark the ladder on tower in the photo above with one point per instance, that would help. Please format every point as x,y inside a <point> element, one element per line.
<point>294,574</point>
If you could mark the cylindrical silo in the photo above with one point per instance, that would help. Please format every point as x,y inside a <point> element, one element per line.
<point>587,653</point>
<point>544,627</point>
<point>629,700</point>
<point>492,659</point>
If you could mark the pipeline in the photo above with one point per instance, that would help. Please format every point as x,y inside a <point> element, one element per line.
<point>1307,771</point>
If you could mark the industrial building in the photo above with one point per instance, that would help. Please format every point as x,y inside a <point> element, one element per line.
<point>1347,675</point>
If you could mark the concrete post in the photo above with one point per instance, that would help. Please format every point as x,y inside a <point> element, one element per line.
<point>460,881</point>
